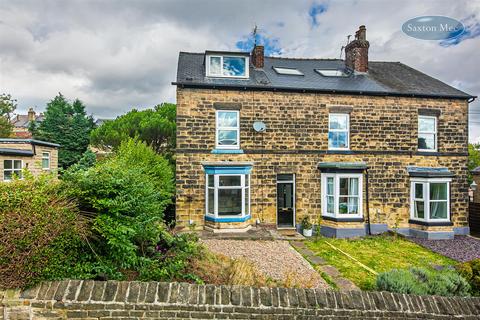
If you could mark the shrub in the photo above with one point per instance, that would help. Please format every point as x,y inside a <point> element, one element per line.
<point>471,272</point>
<point>306,224</point>
<point>421,281</point>
<point>126,195</point>
<point>41,232</point>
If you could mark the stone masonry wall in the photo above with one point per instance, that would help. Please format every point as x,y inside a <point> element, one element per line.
<point>153,300</point>
<point>383,133</point>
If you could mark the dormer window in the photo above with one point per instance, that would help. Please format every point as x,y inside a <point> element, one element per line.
<point>227,66</point>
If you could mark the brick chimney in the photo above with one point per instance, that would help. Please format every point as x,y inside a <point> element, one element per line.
<point>31,114</point>
<point>258,56</point>
<point>356,52</point>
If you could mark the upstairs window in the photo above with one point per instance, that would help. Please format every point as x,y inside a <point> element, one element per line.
<point>11,168</point>
<point>227,129</point>
<point>46,160</point>
<point>427,133</point>
<point>227,66</point>
<point>338,131</point>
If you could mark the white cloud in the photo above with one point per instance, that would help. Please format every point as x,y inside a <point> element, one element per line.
<point>115,55</point>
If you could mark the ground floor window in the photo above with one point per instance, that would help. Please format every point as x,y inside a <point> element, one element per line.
<point>11,168</point>
<point>342,195</point>
<point>228,195</point>
<point>430,200</point>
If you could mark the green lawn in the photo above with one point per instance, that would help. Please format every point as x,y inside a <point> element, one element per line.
<point>380,253</point>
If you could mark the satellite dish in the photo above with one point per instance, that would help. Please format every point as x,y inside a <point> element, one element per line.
<point>259,126</point>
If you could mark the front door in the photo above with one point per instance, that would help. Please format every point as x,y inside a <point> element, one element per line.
<point>285,201</point>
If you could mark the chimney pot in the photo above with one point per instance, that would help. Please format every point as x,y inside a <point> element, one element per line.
<point>258,56</point>
<point>356,52</point>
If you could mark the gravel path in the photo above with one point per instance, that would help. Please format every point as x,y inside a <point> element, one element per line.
<point>461,248</point>
<point>276,259</point>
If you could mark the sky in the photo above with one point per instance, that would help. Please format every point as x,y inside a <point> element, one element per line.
<point>119,55</point>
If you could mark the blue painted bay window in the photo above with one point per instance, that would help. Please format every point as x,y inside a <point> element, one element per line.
<point>227,192</point>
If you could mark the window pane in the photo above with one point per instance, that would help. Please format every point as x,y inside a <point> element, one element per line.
<point>419,210</point>
<point>215,65</point>
<point>331,204</point>
<point>426,124</point>
<point>45,163</point>
<point>344,186</point>
<point>7,164</point>
<point>7,175</point>
<point>438,210</point>
<point>418,191</point>
<point>337,139</point>
<point>18,174</point>
<point>343,205</point>
<point>228,181</point>
<point>338,121</point>
<point>229,202</point>
<point>353,205</point>
<point>17,164</point>
<point>426,141</point>
<point>211,180</point>
<point>227,119</point>
<point>284,177</point>
<point>234,66</point>
<point>211,200</point>
<point>353,187</point>
<point>247,181</point>
<point>227,137</point>
<point>438,191</point>
<point>247,201</point>
<point>330,186</point>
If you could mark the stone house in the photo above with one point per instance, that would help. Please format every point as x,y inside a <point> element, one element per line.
<point>35,155</point>
<point>357,146</point>
<point>21,123</point>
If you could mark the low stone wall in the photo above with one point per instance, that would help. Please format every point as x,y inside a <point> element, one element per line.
<point>153,300</point>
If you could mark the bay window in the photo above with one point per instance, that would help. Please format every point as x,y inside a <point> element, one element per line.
<point>228,195</point>
<point>342,195</point>
<point>430,200</point>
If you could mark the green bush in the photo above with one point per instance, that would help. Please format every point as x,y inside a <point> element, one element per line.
<point>421,281</point>
<point>471,272</point>
<point>41,232</point>
<point>126,195</point>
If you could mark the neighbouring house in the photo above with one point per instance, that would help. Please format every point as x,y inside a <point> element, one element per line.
<point>21,123</point>
<point>357,146</point>
<point>35,155</point>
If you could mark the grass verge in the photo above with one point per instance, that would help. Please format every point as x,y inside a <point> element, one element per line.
<point>380,253</point>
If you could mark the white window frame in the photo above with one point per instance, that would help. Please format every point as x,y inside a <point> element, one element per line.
<point>218,128</point>
<point>435,133</point>
<point>221,75</point>
<point>48,157</point>
<point>245,190</point>
<point>426,198</point>
<point>336,186</point>
<point>339,130</point>
<point>12,170</point>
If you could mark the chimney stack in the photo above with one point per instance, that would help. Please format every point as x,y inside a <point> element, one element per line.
<point>356,52</point>
<point>31,114</point>
<point>258,56</point>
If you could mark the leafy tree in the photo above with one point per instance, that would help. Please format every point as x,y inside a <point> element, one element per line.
<point>7,107</point>
<point>67,124</point>
<point>473,158</point>
<point>155,126</point>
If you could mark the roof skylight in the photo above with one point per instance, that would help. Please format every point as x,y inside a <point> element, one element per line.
<point>288,71</point>
<point>331,72</point>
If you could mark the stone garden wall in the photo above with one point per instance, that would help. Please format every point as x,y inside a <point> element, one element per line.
<point>153,300</point>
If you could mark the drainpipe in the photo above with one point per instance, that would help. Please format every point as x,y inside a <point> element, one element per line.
<point>367,202</point>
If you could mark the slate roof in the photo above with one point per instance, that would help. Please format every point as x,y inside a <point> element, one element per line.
<point>21,120</point>
<point>29,141</point>
<point>382,78</point>
<point>16,152</point>
<point>427,172</point>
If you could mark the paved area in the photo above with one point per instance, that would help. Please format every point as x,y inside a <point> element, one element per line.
<point>332,272</point>
<point>462,248</point>
<point>276,259</point>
